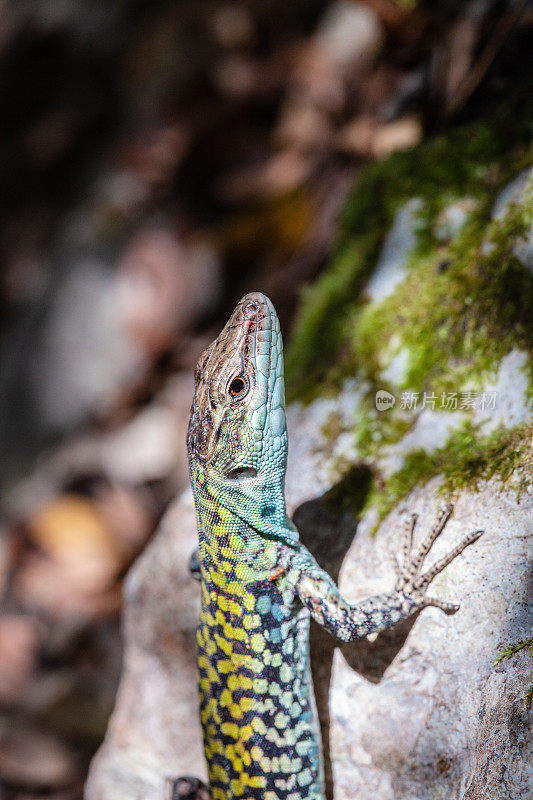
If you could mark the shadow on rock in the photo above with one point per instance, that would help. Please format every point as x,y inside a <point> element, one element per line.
<point>327,526</point>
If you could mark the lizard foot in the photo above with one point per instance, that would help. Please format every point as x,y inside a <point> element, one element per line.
<point>411,582</point>
<point>187,789</point>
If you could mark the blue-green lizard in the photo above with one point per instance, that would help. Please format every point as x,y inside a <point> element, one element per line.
<point>259,584</point>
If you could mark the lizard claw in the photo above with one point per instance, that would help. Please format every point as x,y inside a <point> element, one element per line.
<point>411,583</point>
<point>448,608</point>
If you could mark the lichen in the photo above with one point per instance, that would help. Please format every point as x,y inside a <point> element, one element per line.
<point>511,651</point>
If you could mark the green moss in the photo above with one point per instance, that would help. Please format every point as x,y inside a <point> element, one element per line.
<point>511,651</point>
<point>456,325</point>
<point>465,460</point>
<point>322,318</point>
<point>464,304</point>
<point>462,311</point>
<point>374,428</point>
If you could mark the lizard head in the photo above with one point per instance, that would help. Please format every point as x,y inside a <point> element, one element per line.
<point>237,422</point>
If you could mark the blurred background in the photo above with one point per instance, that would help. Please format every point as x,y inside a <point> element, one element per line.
<point>159,160</point>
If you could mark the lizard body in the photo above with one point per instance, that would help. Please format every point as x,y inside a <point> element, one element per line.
<point>259,584</point>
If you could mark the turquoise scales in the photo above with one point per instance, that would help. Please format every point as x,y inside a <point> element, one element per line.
<point>259,584</point>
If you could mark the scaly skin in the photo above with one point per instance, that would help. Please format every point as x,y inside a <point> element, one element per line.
<point>259,585</point>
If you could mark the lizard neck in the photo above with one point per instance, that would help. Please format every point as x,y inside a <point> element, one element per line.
<point>240,526</point>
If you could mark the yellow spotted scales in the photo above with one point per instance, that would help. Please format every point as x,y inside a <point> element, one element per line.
<point>259,584</point>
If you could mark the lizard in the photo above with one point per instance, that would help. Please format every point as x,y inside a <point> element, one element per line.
<point>259,585</point>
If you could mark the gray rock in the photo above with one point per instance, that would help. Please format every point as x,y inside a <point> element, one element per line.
<point>512,193</point>
<point>154,732</point>
<point>400,241</point>
<point>397,369</point>
<point>510,392</point>
<point>106,325</point>
<point>349,33</point>
<point>84,355</point>
<point>517,191</point>
<point>312,463</point>
<point>442,722</point>
<point>451,220</point>
<point>419,713</point>
<point>430,432</point>
<point>425,717</point>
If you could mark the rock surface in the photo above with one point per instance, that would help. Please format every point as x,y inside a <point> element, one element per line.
<point>441,720</point>
<point>400,241</point>
<point>154,732</point>
<point>518,191</point>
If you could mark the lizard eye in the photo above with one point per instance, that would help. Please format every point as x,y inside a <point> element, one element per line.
<point>238,388</point>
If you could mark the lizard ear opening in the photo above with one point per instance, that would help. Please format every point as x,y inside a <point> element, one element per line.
<point>241,472</point>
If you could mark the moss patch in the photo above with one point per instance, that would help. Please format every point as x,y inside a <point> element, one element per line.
<point>511,651</point>
<point>465,460</point>
<point>463,305</point>
<point>374,428</point>
<point>456,325</point>
<point>461,311</point>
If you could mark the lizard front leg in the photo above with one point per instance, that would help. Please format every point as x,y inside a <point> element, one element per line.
<point>349,621</point>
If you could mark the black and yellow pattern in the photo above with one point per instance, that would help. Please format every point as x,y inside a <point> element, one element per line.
<point>259,731</point>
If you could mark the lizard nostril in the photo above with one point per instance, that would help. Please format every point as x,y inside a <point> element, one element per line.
<point>249,310</point>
